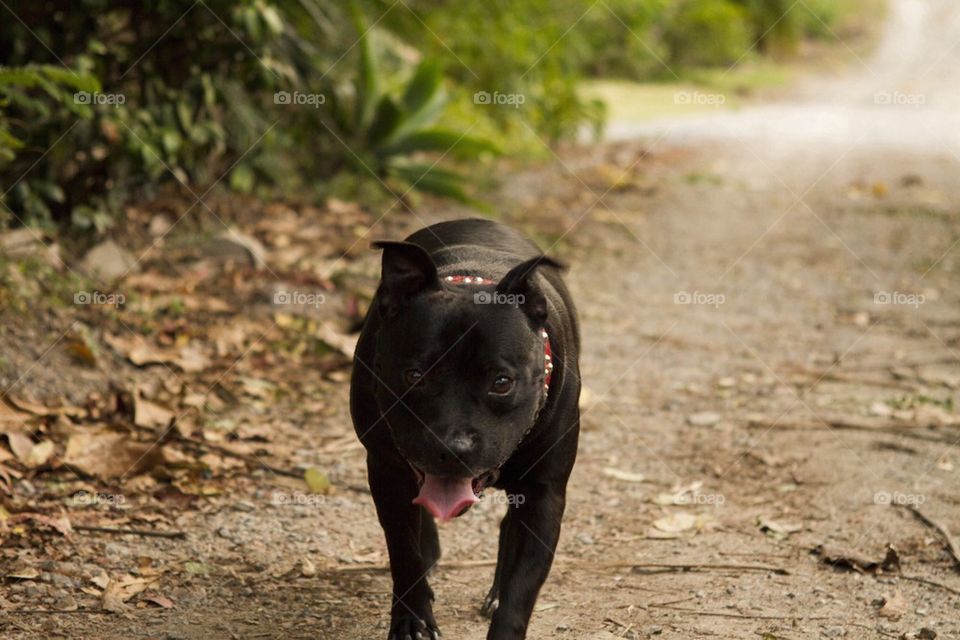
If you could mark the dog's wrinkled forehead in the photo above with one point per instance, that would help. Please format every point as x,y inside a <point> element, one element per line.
<point>457,323</point>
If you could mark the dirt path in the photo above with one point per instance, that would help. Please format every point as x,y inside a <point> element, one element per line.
<point>732,275</point>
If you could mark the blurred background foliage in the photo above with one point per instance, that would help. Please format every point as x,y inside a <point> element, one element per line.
<point>103,101</point>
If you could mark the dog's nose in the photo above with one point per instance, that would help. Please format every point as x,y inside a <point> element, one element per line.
<point>461,445</point>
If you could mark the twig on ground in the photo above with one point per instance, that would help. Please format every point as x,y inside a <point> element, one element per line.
<point>740,616</point>
<point>133,532</point>
<point>654,566</point>
<point>932,583</point>
<point>250,459</point>
<point>670,567</point>
<point>942,530</point>
<point>852,423</point>
<point>102,612</point>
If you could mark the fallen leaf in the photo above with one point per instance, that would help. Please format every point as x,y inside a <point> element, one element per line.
<point>141,353</point>
<point>777,529</point>
<point>39,409</point>
<point>855,561</point>
<point>316,480</point>
<point>342,342</point>
<point>894,606</point>
<point>196,567</point>
<point>625,476</point>
<point>11,418</point>
<point>29,454</point>
<point>23,573</point>
<point>119,590</point>
<point>679,494</point>
<point>161,601</point>
<point>149,414</point>
<point>61,524</point>
<point>676,522</point>
<point>109,454</point>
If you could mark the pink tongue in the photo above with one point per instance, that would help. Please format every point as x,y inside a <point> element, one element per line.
<point>446,498</point>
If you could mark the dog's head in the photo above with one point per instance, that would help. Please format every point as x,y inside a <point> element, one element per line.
<point>461,370</point>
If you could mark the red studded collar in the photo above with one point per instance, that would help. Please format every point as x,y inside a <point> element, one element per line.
<point>547,351</point>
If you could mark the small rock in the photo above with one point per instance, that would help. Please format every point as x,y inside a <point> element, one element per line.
<point>703,419</point>
<point>159,225</point>
<point>60,580</point>
<point>108,260</point>
<point>236,246</point>
<point>584,538</point>
<point>28,243</point>
<point>65,602</point>
<point>880,409</point>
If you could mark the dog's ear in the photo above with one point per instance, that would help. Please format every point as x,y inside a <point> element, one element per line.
<point>519,282</point>
<point>406,269</point>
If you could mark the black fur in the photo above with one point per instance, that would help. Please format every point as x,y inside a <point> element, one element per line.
<point>448,423</point>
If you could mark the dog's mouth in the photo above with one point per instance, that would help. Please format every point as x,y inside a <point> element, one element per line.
<point>447,497</point>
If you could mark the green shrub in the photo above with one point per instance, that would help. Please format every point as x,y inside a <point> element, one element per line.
<point>707,33</point>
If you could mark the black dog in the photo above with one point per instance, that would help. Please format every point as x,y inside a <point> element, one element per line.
<point>466,377</point>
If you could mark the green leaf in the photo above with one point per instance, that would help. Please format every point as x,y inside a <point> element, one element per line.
<point>441,182</point>
<point>366,90</point>
<point>242,178</point>
<point>272,19</point>
<point>385,121</point>
<point>423,86</point>
<point>442,141</point>
<point>9,141</point>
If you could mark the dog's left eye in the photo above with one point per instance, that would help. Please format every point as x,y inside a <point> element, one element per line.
<point>412,376</point>
<point>502,385</point>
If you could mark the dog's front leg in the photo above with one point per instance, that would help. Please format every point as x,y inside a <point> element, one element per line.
<point>531,528</point>
<point>410,538</point>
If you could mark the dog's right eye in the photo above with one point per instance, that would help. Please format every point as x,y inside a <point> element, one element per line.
<point>412,376</point>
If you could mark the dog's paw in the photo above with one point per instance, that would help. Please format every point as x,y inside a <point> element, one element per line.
<point>410,627</point>
<point>490,604</point>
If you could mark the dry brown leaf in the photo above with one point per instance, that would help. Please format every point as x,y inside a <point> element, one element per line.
<point>191,359</point>
<point>345,344</point>
<point>30,454</point>
<point>109,454</point>
<point>61,525</point>
<point>894,606</point>
<point>159,600</point>
<point>141,353</point>
<point>10,418</point>
<point>148,414</point>
<point>20,444</point>
<point>39,409</point>
<point>121,589</point>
